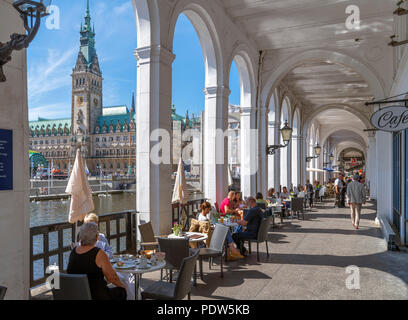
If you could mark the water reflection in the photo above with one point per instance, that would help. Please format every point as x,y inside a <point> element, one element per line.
<point>56,211</point>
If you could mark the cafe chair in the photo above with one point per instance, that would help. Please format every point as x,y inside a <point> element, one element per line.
<point>72,287</point>
<point>261,237</point>
<point>261,205</point>
<point>2,292</point>
<point>148,237</point>
<point>297,206</point>
<point>176,250</point>
<point>215,249</point>
<point>161,290</point>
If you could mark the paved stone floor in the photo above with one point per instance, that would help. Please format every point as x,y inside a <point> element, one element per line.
<point>308,260</point>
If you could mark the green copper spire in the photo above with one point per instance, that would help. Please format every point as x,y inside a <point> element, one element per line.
<point>88,38</point>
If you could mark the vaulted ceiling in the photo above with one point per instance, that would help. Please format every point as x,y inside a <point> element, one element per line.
<point>286,27</point>
<point>283,24</point>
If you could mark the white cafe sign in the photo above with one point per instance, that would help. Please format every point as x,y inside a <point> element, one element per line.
<point>394,118</point>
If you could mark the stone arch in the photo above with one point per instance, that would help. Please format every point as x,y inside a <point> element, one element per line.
<point>349,144</point>
<point>208,36</point>
<point>375,83</point>
<point>147,22</point>
<point>246,72</point>
<point>285,166</point>
<point>295,148</point>
<point>344,107</point>
<point>355,130</point>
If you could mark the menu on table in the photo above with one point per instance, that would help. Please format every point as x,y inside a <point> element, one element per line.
<point>6,159</point>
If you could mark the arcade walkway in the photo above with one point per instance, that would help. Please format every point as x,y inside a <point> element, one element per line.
<point>308,260</point>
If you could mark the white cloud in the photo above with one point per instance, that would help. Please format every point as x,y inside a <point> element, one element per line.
<point>123,8</point>
<point>52,111</point>
<point>52,74</point>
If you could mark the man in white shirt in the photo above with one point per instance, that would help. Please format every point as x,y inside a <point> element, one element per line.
<point>338,186</point>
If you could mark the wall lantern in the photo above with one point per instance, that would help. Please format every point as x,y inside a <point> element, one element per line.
<point>331,157</point>
<point>31,13</point>
<point>286,133</point>
<point>317,151</point>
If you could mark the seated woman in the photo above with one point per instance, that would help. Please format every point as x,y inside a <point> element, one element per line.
<point>226,205</point>
<point>285,195</point>
<point>271,196</point>
<point>301,192</point>
<point>205,214</point>
<point>94,262</point>
<point>239,203</point>
<point>261,201</point>
<point>103,244</point>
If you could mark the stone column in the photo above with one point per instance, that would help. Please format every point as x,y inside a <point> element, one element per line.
<point>271,159</point>
<point>277,156</point>
<point>215,167</point>
<point>249,152</point>
<point>262,172</point>
<point>384,152</point>
<point>15,206</point>
<point>153,167</point>
<point>372,165</point>
<point>303,164</point>
<point>296,159</point>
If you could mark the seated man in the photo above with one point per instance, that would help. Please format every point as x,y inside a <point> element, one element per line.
<point>251,223</point>
<point>102,242</point>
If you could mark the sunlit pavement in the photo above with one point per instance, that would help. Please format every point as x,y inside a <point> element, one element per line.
<point>308,260</point>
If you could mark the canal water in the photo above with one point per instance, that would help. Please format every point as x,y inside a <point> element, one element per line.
<point>56,211</point>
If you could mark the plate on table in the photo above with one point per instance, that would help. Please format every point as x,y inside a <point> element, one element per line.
<point>126,265</point>
<point>148,266</point>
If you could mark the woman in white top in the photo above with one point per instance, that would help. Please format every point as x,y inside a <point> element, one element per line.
<point>205,211</point>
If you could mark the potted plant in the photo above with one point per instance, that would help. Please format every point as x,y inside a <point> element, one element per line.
<point>177,229</point>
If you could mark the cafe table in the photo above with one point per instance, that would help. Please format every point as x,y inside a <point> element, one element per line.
<point>192,236</point>
<point>137,271</point>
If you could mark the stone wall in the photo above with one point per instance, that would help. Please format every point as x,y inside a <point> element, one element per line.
<point>14,210</point>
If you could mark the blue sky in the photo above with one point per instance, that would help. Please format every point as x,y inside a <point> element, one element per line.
<point>53,53</point>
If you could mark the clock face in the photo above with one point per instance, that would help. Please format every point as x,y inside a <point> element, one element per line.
<point>80,101</point>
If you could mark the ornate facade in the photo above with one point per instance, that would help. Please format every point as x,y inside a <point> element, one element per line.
<point>106,134</point>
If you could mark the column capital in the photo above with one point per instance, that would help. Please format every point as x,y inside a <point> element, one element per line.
<point>155,53</point>
<point>217,91</point>
<point>247,111</point>
<point>371,136</point>
<point>298,137</point>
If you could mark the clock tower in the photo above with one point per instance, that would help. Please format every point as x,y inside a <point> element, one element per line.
<point>86,84</point>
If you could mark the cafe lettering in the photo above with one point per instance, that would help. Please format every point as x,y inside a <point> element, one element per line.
<point>394,118</point>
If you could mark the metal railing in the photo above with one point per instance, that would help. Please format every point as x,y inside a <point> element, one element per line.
<point>51,244</point>
<point>186,212</point>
